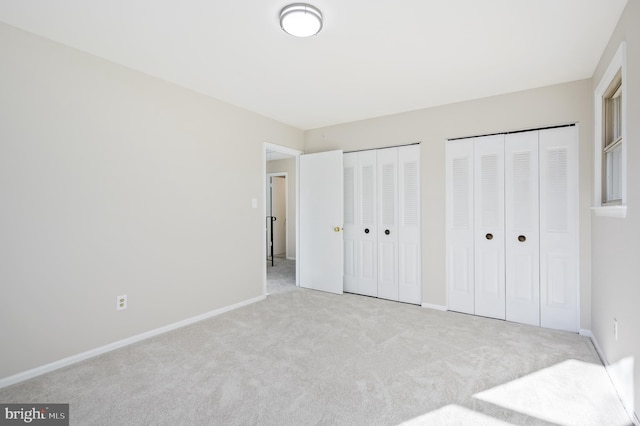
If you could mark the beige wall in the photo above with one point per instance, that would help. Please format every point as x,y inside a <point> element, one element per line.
<point>113,182</point>
<point>560,104</point>
<point>616,246</point>
<point>288,166</point>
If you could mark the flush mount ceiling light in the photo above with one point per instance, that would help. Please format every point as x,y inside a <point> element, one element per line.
<point>301,20</point>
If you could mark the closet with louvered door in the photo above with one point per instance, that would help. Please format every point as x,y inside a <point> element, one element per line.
<point>512,227</point>
<point>360,223</point>
<point>460,265</point>
<point>409,234</point>
<point>388,223</point>
<point>488,208</point>
<point>522,202</point>
<point>382,223</point>
<point>559,228</point>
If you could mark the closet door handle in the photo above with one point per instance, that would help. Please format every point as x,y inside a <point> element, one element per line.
<point>366,230</point>
<point>387,232</point>
<point>489,236</point>
<point>522,238</point>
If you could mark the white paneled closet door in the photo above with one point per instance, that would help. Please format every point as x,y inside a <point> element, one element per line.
<point>409,256</point>
<point>360,223</point>
<point>513,204</point>
<point>382,223</point>
<point>367,217</point>
<point>522,228</point>
<point>459,221</point>
<point>489,236</point>
<point>559,219</point>
<point>387,235</point>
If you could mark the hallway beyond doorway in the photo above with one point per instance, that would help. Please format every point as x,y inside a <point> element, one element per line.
<point>281,277</point>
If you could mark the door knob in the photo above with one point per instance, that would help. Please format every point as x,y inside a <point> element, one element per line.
<point>336,229</point>
<point>387,232</point>
<point>489,236</point>
<point>522,238</point>
<point>366,230</point>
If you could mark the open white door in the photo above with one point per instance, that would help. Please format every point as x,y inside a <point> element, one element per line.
<point>320,221</point>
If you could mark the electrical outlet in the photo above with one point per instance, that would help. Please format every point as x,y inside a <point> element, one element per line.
<point>121,302</point>
<point>615,329</point>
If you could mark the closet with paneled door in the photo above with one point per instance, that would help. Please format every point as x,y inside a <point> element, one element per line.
<point>512,226</point>
<point>382,223</point>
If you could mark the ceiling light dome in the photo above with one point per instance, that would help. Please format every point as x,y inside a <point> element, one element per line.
<point>301,20</point>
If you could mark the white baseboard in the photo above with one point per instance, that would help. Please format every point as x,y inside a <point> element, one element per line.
<point>29,374</point>
<point>436,307</point>
<point>598,348</point>
<point>607,366</point>
<point>586,333</point>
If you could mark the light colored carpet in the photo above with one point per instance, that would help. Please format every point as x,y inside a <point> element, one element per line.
<point>303,357</point>
<point>281,276</point>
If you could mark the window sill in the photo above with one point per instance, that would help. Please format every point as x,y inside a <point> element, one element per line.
<point>611,211</point>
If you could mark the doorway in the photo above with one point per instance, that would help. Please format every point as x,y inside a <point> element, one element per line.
<point>276,218</point>
<point>280,239</point>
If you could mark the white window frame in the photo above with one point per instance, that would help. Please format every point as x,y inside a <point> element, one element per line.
<point>600,208</point>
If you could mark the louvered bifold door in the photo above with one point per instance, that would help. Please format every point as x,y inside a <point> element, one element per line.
<point>459,223</point>
<point>522,228</point>
<point>559,221</point>
<point>350,162</point>
<point>387,165</point>
<point>360,266</point>
<point>489,226</point>
<point>366,224</point>
<point>409,283</point>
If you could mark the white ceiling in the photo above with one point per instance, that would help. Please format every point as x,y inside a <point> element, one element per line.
<point>372,58</point>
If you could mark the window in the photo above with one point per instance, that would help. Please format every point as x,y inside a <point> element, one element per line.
<point>612,149</point>
<point>610,172</point>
